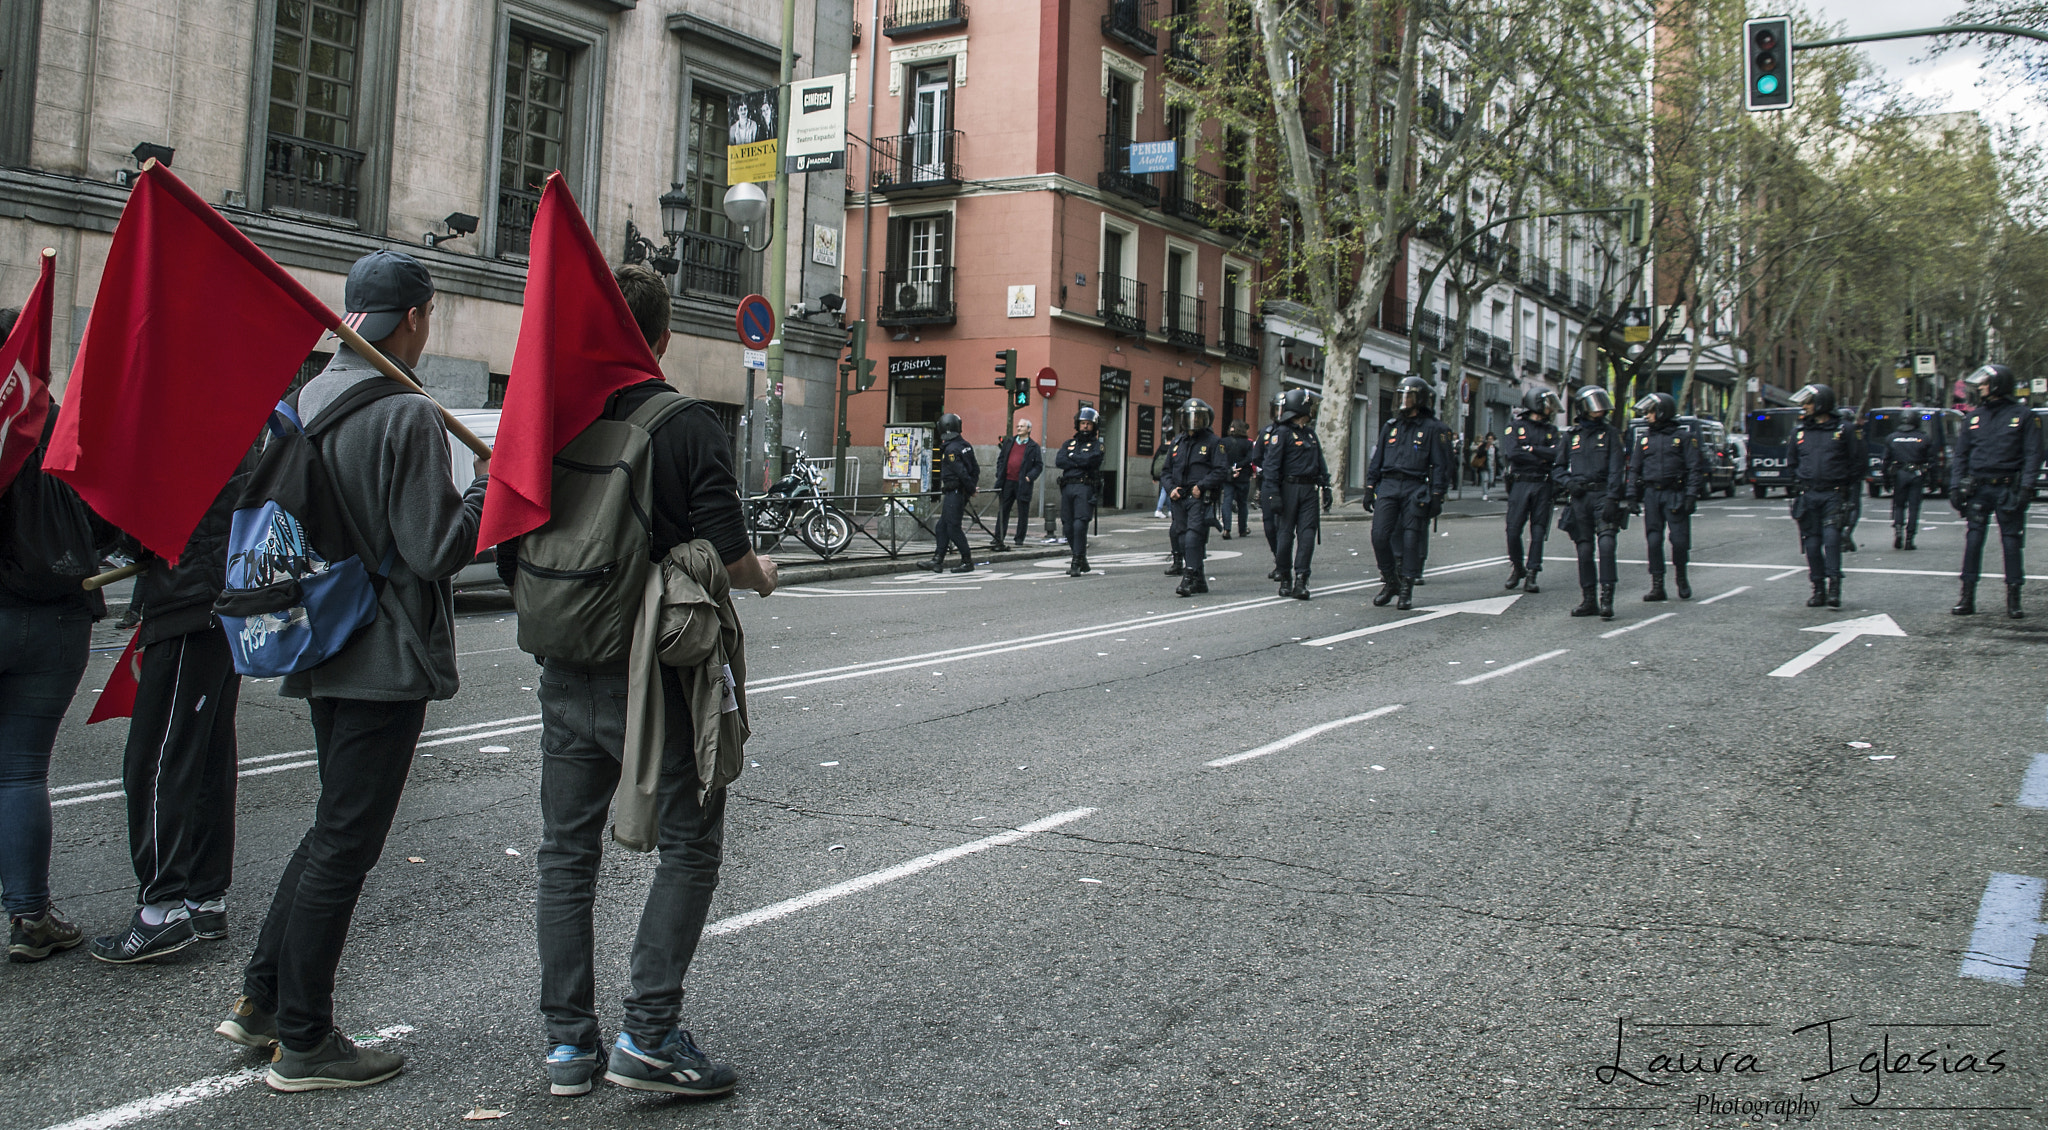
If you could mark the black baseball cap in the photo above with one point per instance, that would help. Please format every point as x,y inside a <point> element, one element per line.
<point>382,286</point>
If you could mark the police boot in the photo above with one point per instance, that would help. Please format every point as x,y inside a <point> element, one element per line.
<point>1607,602</point>
<point>1187,584</point>
<point>1909,542</point>
<point>1529,586</point>
<point>1834,592</point>
<point>1819,598</point>
<point>1515,576</point>
<point>1274,574</point>
<point>1083,565</point>
<point>1684,587</point>
<point>1074,567</point>
<point>1898,538</point>
<point>1201,582</point>
<point>999,546</point>
<point>1286,585</point>
<point>963,567</point>
<point>932,564</point>
<point>1174,570</point>
<point>1407,600</point>
<point>1226,533</point>
<point>2012,603</point>
<point>1589,604</point>
<point>1301,587</point>
<point>1390,588</point>
<point>1656,592</point>
<point>1966,603</point>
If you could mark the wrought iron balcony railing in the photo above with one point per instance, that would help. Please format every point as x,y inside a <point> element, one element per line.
<point>910,17</point>
<point>1184,315</point>
<point>1240,335</point>
<point>306,176</point>
<point>515,220</point>
<point>1132,22</point>
<point>711,265</point>
<point>1122,305</point>
<point>1116,175</point>
<point>925,160</point>
<point>917,296</point>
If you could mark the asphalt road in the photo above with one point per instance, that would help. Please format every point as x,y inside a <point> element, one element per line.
<point>1554,846</point>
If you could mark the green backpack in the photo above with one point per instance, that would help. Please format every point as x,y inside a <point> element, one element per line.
<point>583,572</point>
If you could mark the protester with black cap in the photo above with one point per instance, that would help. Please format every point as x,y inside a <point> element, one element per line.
<point>387,458</point>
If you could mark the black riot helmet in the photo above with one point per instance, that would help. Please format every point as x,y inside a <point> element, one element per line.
<point>1196,415</point>
<point>1090,417</point>
<point>1593,401</point>
<point>1413,394</point>
<point>1907,421</point>
<point>1991,382</point>
<point>1296,404</point>
<point>1659,407</point>
<point>1815,401</point>
<point>949,428</point>
<point>1539,401</point>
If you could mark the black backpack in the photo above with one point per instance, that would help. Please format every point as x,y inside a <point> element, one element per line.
<point>46,533</point>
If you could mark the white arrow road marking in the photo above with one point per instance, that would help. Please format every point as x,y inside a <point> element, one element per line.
<point>1491,606</point>
<point>1513,667</point>
<point>2008,921</point>
<point>1724,596</point>
<point>2034,788</point>
<point>1840,635</point>
<point>1298,738</point>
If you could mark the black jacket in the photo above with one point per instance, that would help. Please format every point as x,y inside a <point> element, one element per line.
<point>1294,454</point>
<point>1034,461</point>
<point>1666,454</point>
<point>1417,446</point>
<point>1589,457</point>
<point>1196,461</point>
<point>958,470</point>
<point>1242,454</point>
<point>1530,448</point>
<point>2001,439</point>
<point>1080,459</point>
<point>1913,449</point>
<point>1830,455</point>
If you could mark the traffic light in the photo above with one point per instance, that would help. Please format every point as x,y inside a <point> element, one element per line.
<point>1636,227</point>
<point>1006,364</point>
<point>856,363</point>
<point>1020,396</point>
<point>1767,43</point>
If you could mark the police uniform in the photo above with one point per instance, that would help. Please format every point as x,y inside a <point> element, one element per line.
<point>1262,451</point>
<point>1410,472</point>
<point>1080,465</point>
<point>1907,456</point>
<point>1827,461</point>
<point>959,474</point>
<point>1530,451</point>
<point>1591,470</point>
<point>1667,473</point>
<point>1195,466</point>
<point>1997,458</point>
<point>1295,474</point>
<point>1240,453</point>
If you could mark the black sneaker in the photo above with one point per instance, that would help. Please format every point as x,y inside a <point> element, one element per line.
<point>336,1063</point>
<point>33,939</point>
<point>571,1068</point>
<point>249,1025</point>
<point>209,920</point>
<point>143,942</point>
<point>677,1067</point>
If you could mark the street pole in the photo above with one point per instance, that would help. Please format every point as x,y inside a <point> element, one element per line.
<point>843,433</point>
<point>778,246</point>
<point>1044,437</point>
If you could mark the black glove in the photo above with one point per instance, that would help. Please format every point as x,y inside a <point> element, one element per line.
<point>1327,500</point>
<point>1435,506</point>
<point>1686,506</point>
<point>1611,512</point>
<point>1369,500</point>
<point>1634,506</point>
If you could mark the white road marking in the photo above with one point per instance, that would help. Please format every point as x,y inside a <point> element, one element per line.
<point>813,592</point>
<point>2008,921</point>
<point>1839,636</point>
<point>1490,606</point>
<point>1787,573</point>
<point>873,879</point>
<point>1296,739</point>
<point>1626,629</point>
<point>1512,667</point>
<point>1724,596</point>
<point>2034,787</point>
<point>210,1087</point>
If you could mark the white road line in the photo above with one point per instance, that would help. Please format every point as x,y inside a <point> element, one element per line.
<point>1786,573</point>
<point>460,738</point>
<point>874,879</point>
<point>211,1087</point>
<point>2034,788</point>
<point>1298,738</point>
<point>817,593</point>
<point>2008,921</point>
<point>1499,671</point>
<point>1626,629</point>
<point>84,785</point>
<point>1726,595</point>
<point>1487,606</point>
<point>260,771</point>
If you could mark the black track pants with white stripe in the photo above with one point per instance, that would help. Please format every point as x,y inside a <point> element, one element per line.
<point>179,771</point>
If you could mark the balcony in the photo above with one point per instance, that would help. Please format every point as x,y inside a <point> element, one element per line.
<point>1561,285</point>
<point>1116,175</point>
<point>1130,22</point>
<point>1499,353</point>
<point>310,178</point>
<point>1184,316</point>
<point>1190,195</point>
<point>915,17</point>
<point>1532,354</point>
<point>1582,296</point>
<point>1123,305</point>
<point>1429,328</point>
<point>917,296</point>
<point>1240,335</point>
<point>1393,316</point>
<point>710,265</point>
<point>1537,274</point>
<point>1182,60</point>
<point>916,162</point>
<point>515,220</point>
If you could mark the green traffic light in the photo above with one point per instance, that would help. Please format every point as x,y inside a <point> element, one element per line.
<point>1767,84</point>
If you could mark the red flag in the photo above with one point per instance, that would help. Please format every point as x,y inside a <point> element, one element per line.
<point>195,335</point>
<point>118,699</point>
<point>578,344</point>
<point>25,376</point>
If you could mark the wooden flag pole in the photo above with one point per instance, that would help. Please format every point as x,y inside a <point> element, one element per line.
<point>93,584</point>
<point>390,369</point>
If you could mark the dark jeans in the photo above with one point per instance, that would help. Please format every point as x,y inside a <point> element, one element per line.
<point>1015,494</point>
<point>952,510</point>
<point>1077,509</point>
<point>1529,507</point>
<point>1907,489</point>
<point>1592,536</point>
<point>42,655</point>
<point>1400,526</point>
<point>583,734</point>
<point>2010,505</point>
<point>1297,521</point>
<point>1821,515</point>
<point>365,752</point>
<point>1661,518</point>
<point>179,771</point>
<point>1190,531</point>
<point>1238,501</point>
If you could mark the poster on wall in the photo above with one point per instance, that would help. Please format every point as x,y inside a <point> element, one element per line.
<point>750,137</point>
<point>817,127</point>
<point>903,451</point>
<point>1147,421</point>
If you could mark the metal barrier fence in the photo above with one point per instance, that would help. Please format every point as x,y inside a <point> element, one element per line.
<point>888,522</point>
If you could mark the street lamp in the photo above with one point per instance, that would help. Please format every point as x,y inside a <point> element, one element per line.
<point>748,206</point>
<point>675,212</point>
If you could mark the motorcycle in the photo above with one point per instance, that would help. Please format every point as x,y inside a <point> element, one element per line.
<point>797,504</point>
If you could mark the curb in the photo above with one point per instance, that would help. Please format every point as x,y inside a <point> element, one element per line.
<point>829,571</point>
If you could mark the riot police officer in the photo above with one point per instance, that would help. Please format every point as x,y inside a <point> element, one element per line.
<point>1907,455</point>
<point>1530,452</point>
<point>1239,451</point>
<point>1297,475</point>
<point>1591,472</point>
<point>1827,462</point>
<point>1080,465</point>
<point>1667,473</point>
<point>1195,471</point>
<point>1268,500</point>
<point>1998,455</point>
<point>1405,484</point>
<point>958,475</point>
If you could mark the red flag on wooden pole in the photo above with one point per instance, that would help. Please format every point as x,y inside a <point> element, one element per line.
<point>25,376</point>
<point>117,700</point>
<point>578,344</point>
<point>194,336</point>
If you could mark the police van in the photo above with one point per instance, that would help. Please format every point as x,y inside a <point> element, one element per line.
<point>1941,426</point>
<point>1770,448</point>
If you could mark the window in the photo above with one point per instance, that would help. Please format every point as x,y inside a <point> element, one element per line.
<point>1122,303</point>
<point>711,257</point>
<point>928,124</point>
<point>535,132</point>
<point>309,163</point>
<point>918,282</point>
<point>19,33</point>
<point>1236,154</point>
<point>1121,117</point>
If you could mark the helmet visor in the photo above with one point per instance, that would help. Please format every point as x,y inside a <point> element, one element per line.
<point>1595,399</point>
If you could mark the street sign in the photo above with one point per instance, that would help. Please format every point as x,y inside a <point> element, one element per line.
<point>817,124</point>
<point>1923,364</point>
<point>1839,635</point>
<point>1490,606</point>
<point>755,321</point>
<point>754,358</point>
<point>1048,382</point>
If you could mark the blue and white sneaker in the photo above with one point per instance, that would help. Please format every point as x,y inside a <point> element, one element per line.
<point>677,1067</point>
<point>570,1068</point>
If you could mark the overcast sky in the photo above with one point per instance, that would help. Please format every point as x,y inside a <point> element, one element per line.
<point>1953,80</point>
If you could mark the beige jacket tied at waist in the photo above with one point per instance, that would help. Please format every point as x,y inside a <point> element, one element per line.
<point>687,621</point>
